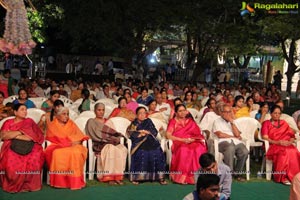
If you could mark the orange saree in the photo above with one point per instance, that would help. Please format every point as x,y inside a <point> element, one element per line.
<point>65,161</point>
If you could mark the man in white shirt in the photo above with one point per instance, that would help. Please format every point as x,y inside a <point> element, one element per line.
<point>230,144</point>
<point>163,107</point>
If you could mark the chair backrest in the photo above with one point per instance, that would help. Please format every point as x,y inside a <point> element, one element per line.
<point>295,115</point>
<point>9,99</point>
<point>194,113</point>
<point>108,110</point>
<point>81,122</point>
<point>290,120</point>
<point>38,101</point>
<point>3,120</point>
<point>120,124</point>
<point>158,125</point>
<point>207,122</point>
<point>67,102</point>
<point>248,126</point>
<point>35,114</point>
<point>72,114</point>
<point>88,113</point>
<point>106,101</point>
<point>142,105</point>
<point>253,113</point>
<point>201,111</point>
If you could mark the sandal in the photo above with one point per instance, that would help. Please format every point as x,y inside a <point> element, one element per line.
<point>163,182</point>
<point>112,183</point>
<point>287,183</point>
<point>135,182</point>
<point>120,182</point>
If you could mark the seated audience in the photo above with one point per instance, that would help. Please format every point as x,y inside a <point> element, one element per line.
<point>188,146</point>
<point>23,99</point>
<point>145,98</point>
<point>239,108</point>
<point>5,110</point>
<point>209,165</point>
<point>146,154</point>
<point>122,110</point>
<point>208,188</point>
<point>48,104</point>
<point>21,151</point>
<point>230,141</point>
<point>86,102</point>
<point>285,156</point>
<point>111,155</point>
<point>65,155</point>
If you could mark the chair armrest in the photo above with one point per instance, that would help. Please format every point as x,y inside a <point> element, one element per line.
<point>216,145</point>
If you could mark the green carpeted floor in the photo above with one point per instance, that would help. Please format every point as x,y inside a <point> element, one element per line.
<point>240,191</point>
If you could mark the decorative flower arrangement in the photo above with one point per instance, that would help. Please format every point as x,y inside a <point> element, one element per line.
<point>17,37</point>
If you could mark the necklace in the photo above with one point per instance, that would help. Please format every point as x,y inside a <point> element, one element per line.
<point>273,124</point>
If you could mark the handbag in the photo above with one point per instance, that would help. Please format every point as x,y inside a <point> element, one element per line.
<point>21,147</point>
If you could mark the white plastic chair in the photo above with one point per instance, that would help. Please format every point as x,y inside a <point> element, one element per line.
<point>72,114</point>
<point>88,114</point>
<point>142,105</point>
<point>106,101</point>
<point>35,114</point>
<point>38,101</point>
<point>194,113</point>
<point>201,111</point>
<point>248,126</point>
<point>160,125</point>
<point>253,113</point>
<point>120,124</point>
<point>10,99</point>
<point>108,110</point>
<point>67,102</point>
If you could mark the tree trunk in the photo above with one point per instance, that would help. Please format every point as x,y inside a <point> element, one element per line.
<point>289,57</point>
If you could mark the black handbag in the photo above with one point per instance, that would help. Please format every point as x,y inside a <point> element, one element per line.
<point>21,147</point>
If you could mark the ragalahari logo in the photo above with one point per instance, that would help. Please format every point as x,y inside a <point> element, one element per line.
<point>247,9</point>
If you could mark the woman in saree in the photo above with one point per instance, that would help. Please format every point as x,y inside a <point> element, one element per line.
<point>122,110</point>
<point>153,113</point>
<point>5,110</point>
<point>189,101</point>
<point>188,146</point>
<point>49,116</point>
<point>65,156</point>
<point>285,156</point>
<point>86,102</point>
<point>48,104</point>
<point>21,173</point>
<point>23,99</point>
<point>111,155</point>
<point>240,109</point>
<point>6,83</point>
<point>147,158</point>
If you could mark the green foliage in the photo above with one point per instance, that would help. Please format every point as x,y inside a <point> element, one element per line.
<point>36,25</point>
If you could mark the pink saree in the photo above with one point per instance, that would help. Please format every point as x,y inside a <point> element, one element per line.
<point>185,156</point>
<point>20,173</point>
<point>286,159</point>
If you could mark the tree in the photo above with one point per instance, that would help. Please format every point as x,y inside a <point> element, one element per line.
<point>286,34</point>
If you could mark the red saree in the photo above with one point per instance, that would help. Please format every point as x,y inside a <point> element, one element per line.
<point>65,161</point>
<point>286,159</point>
<point>185,156</point>
<point>20,173</point>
